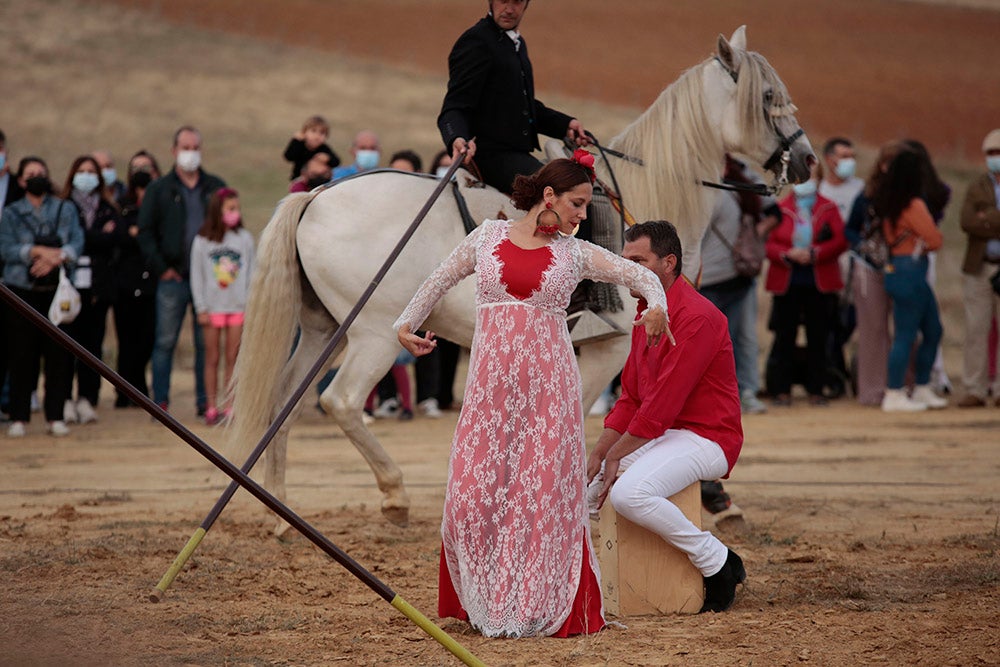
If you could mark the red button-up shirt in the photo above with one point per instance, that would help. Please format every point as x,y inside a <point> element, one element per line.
<point>690,385</point>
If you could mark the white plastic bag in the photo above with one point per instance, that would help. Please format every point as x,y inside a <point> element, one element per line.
<point>66,302</point>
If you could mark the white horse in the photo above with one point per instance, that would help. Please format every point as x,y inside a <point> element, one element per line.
<point>320,251</point>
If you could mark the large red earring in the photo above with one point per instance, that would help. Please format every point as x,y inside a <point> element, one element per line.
<point>542,226</point>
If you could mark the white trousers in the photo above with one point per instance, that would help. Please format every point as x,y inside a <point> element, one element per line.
<point>659,469</point>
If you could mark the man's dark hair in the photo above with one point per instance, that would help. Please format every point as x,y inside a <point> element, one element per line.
<point>663,239</point>
<point>185,128</point>
<point>3,138</point>
<point>832,143</point>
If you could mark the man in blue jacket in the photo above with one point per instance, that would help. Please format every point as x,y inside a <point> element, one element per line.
<point>172,212</point>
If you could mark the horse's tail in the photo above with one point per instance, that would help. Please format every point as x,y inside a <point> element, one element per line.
<point>269,330</point>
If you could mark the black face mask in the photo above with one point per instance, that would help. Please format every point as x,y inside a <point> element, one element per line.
<point>141,179</point>
<point>38,185</point>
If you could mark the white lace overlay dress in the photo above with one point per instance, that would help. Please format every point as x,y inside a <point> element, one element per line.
<point>515,525</point>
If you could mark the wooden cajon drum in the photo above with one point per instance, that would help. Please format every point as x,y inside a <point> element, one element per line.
<point>640,573</point>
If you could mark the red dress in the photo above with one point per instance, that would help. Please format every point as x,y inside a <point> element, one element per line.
<point>516,557</point>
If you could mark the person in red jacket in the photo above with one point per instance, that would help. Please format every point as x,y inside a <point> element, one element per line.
<point>804,277</point>
<point>678,418</point>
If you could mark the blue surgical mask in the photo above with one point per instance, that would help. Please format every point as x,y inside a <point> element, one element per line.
<point>993,163</point>
<point>110,175</point>
<point>805,190</point>
<point>845,167</point>
<point>85,182</point>
<point>367,159</point>
<point>442,172</point>
<point>3,160</point>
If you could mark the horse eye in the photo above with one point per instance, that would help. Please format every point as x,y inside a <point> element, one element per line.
<point>769,96</point>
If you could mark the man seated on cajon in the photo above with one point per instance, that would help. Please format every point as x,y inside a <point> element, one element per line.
<point>678,418</point>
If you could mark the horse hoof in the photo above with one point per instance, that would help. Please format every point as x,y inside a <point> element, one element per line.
<point>398,516</point>
<point>281,528</point>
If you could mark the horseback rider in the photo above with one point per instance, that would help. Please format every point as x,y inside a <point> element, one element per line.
<point>490,106</point>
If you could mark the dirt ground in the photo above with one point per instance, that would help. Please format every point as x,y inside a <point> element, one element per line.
<point>870,538</point>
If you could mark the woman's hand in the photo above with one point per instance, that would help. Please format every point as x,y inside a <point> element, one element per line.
<point>414,344</point>
<point>657,324</point>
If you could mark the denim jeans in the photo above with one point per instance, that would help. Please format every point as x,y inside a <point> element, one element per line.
<point>914,310</point>
<point>173,297</point>
<point>740,308</point>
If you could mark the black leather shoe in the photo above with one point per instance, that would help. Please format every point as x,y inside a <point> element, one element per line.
<point>720,588</point>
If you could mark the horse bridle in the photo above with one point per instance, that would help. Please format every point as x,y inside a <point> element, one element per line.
<point>782,154</point>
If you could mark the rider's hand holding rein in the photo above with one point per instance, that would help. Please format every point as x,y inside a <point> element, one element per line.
<point>657,324</point>
<point>416,345</point>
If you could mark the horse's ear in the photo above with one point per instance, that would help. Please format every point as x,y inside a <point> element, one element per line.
<point>731,51</point>
<point>739,39</point>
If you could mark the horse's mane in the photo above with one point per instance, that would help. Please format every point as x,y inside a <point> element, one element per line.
<point>679,146</point>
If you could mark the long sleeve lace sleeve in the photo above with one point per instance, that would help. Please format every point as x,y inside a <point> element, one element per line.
<point>605,266</point>
<point>459,264</point>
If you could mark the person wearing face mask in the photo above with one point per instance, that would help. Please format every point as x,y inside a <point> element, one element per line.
<point>39,233</point>
<point>839,183</point>
<point>367,153</point>
<point>10,192</point>
<point>134,283</point>
<point>172,212</point>
<point>106,161</point>
<point>804,277</point>
<point>222,258</point>
<point>99,217</point>
<point>980,221</point>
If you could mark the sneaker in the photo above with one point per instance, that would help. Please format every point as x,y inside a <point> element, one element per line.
<point>389,408</point>
<point>85,412</point>
<point>405,414</point>
<point>429,408</point>
<point>212,416</point>
<point>16,430</point>
<point>972,401</point>
<point>69,412</point>
<point>896,400</point>
<point>782,401</point>
<point>924,394</point>
<point>751,405</point>
<point>58,429</point>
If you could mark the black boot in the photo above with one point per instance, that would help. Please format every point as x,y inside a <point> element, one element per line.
<point>720,588</point>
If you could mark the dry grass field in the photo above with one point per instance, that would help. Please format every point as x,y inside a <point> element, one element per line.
<point>871,538</point>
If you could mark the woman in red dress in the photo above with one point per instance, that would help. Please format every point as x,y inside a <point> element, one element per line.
<point>516,556</point>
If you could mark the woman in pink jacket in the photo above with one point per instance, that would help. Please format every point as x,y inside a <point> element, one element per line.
<point>804,277</point>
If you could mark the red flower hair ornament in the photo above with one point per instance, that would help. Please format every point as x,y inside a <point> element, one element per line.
<point>586,160</point>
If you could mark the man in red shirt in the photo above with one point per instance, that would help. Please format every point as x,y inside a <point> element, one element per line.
<point>678,419</point>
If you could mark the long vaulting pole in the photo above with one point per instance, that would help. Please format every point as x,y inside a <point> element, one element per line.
<point>320,364</point>
<point>239,477</point>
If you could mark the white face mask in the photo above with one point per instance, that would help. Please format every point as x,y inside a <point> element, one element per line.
<point>845,167</point>
<point>367,159</point>
<point>110,176</point>
<point>189,160</point>
<point>85,182</point>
